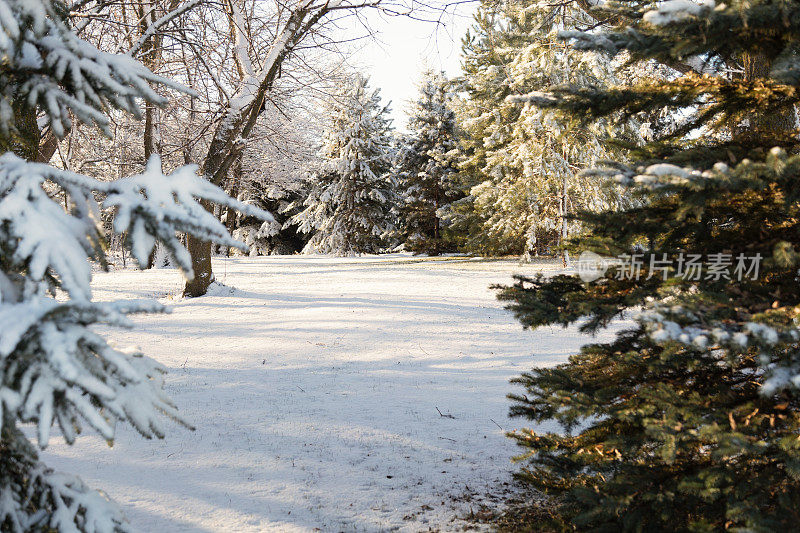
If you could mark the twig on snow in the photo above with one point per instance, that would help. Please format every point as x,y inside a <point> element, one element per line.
<point>448,415</point>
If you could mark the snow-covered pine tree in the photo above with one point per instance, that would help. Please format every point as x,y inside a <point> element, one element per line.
<point>522,164</point>
<point>274,237</point>
<point>54,368</point>
<point>688,420</point>
<point>427,163</point>
<point>349,208</point>
<point>272,177</point>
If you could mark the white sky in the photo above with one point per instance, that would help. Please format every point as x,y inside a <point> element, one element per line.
<point>404,48</point>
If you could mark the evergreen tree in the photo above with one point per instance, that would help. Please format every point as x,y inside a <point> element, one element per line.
<point>688,420</point>
<point>426,167</point>
<point>277,236</point>
<point>54,368</point>
<point>272,177</point>
<point>349,207</point>
<point>523,160</point>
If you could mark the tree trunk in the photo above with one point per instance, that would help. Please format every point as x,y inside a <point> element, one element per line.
<point>24,142</point>
<point>151,55</point>
<point>437,244</point>
<point>47,147</point>
<point>149,145</point>
<point>200,251</point>
<point>780,124</point>
<point>233,191</point>
<point>564,228</point>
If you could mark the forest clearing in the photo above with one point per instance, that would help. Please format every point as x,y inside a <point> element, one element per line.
<point>320,407</point>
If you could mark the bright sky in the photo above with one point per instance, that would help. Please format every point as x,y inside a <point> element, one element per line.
<point>404,48</point>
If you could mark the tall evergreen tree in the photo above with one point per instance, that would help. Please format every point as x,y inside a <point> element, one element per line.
<point>55,369</point>
<point>426,167</point>
<point>349,208</point>
<point>689,419</point>
<point>521,172</point>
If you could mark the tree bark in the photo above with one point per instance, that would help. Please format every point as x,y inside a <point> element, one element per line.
<point>564,226</point>
<point>233,191</point>
<point>24,142</point>
<point>47,147</point>
<point>150,57</point>
<point>200,251</point>
<point>781,123</point>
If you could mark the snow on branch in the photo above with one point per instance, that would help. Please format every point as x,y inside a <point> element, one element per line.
<point>94,382</point>
<point>72,503</point>
<point>583,40</point>
<point>534,97</point>
<point>677,11</point>
<point>149,206</point>
<point>241,40</point>
<point>160,23</point>
<point>64,75</point>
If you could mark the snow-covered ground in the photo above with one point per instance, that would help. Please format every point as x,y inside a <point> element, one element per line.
<point>316,385</point>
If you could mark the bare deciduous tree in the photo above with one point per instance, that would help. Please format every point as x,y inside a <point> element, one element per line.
<point>241,112</point>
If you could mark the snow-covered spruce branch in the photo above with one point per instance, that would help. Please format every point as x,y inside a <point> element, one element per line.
<point>582,40</point>
<point>149,206</point>
<point>538,98</point>
<point>64,74</point>
<point>52,248</point>
<point>722,340</point>
<point>675,323</point>
<point>676,11</point>
<point>73,503</point>
<point>73,373</point>
<point>604,14</point>
<point>664,175</point>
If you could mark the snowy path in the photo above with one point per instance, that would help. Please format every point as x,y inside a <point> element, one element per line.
<point>314,386</point>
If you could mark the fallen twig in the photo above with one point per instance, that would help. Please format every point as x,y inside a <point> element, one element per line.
<point>448,415</point>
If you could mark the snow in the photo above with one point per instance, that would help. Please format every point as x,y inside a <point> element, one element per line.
<point>315,385</point>
<point>766,333</point>
<point>677,11</point>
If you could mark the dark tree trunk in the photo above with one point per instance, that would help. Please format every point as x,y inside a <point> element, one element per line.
<point>150,57</point>
<point>778,124</point>
<point>25,141</point>
<point>200,251</point>
<point>149,126</point>
<point>233,191</point>
<point>47,147</point>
